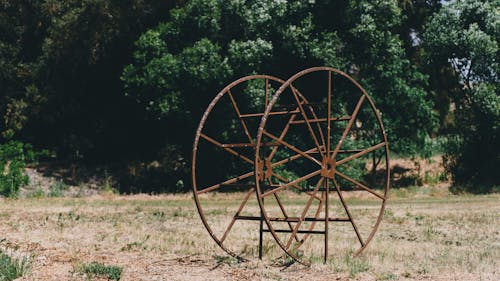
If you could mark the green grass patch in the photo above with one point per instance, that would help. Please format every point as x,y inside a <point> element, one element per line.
<point>99,270</point>
<point>12,268</point>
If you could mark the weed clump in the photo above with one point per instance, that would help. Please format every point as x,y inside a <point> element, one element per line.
<point>13,268</point>
<point>14,157</point>
<point>100,270</point>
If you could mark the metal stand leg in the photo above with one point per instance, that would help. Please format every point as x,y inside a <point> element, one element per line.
<point>261,232</point>
<point>326,221</point>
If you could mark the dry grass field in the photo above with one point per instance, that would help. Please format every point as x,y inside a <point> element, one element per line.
<point>426,234</point>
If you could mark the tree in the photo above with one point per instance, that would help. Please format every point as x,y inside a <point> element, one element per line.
<point>206,44</point>
<point>465,36</point>
<point>60,63</point>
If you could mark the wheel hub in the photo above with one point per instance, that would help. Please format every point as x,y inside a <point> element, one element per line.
<point>328,167</point>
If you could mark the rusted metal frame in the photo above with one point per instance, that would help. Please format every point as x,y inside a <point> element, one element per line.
<point>285,215</point>
<point>248,144</point>
<point>319,120</point>
<point>235,106</point>
<point>229,181</point>
<point>266,96</point>
<point>359,154</point>
<point>298,231</point>
<point>296,186</point>
<point>349,125</point>
<point>301,179</point>
<point>328,117</point>
<point>261,231</point>
<point>282,209</point>
<point>292,158</point>
<point>327,191</point>
<point>304,212</point>
<point>339,192</point>
<point>291,219</point>
<point>304,115</point>
<point>270,113</point>
<point>243,203</point>
<point>318,125</point>
<point>195,150</point>
<point>344,151</point>
<point>282,135</point>
<point>261,222</point>
<point>291,147</point>
<point>313,224</point>
<point>360,185</point>
<point>231,151</point>
<point>341,151</point>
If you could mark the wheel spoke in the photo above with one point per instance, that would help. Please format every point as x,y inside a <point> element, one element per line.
<point>289,184</point>
<point>282,135</point>
<point>304,213</point>
<point>360,185</point>
<point>293,148</point>
<point>243,203</point>
<point>292,158</point>
<point>329,112</point>
<point>284,213</point>
<point>266,97</point>
<point>319,120</point>
<point>231,151</point>
<point>304,115</point>
<point>348,212</point>
<point>359,154</point>
<point>237,110</point>
<point>318,125</point>
<point>298,187</point>
<point>229,181</point>
<point>349,125</point>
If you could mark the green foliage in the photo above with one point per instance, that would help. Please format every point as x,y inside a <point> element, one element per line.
<point>175,79</point>
<point>99,270</point>
<point>60,63</point>
<point>57,189</point>
<point>13,268</point>
<point>14,156</point>
<point>465,34</point>
<point>114,81</point>
<point>472,155</point>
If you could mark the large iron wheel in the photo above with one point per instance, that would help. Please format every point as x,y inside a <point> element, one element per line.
<point>222,161</point>
<point>340,140</point>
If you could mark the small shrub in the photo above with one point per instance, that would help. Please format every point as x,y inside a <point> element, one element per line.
<point>14,156</point>
<point>13,268</point>
<point>57,189</point>
<point>37,193</point>
<point>100,270</point>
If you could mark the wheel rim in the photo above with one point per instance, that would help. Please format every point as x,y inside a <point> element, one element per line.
<point>333,157</point>
<point>229,95</point>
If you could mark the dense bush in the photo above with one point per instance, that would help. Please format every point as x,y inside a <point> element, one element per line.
<point>465,36</point>
<point>473,155</point>
<point>14,156</point>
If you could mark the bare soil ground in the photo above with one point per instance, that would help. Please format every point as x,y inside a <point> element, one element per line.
<point>426,234</point>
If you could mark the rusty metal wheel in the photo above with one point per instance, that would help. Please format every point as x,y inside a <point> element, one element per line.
<point>331,147</point>
<point>223,163</point>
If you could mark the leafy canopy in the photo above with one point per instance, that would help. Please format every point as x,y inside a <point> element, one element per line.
<point>180,65</point>
<point>466,35</point>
